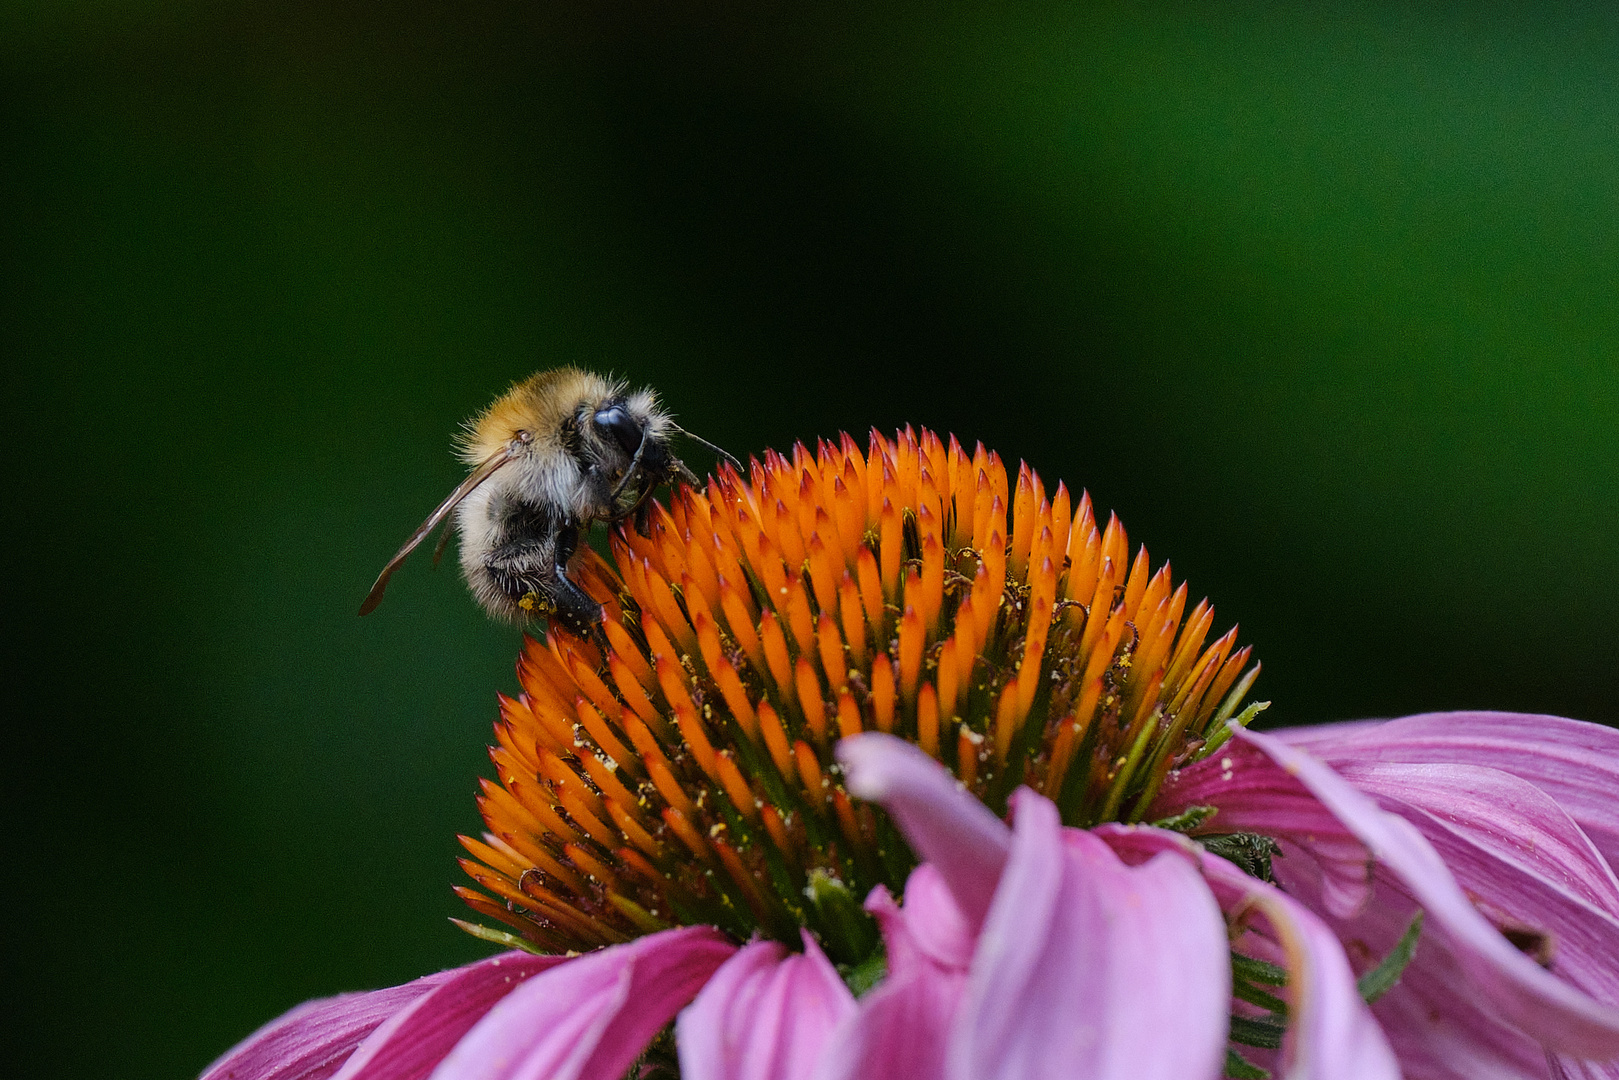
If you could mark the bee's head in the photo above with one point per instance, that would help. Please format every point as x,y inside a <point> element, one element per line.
<point>585,440</point>
<point>623,433</point>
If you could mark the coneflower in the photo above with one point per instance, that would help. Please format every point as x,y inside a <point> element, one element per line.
<point>827,685</point>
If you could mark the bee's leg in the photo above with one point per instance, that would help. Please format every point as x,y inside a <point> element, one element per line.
<point>533,573</point>
<point>523,571</point>
<point>681,472</point>
<point>572,608</point>
<point>571,605</point>
<point>640,510</point>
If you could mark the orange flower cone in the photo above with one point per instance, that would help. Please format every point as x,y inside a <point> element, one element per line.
<point>680,770</point>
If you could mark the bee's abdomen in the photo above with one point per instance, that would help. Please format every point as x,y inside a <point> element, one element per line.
<point>517,519</point>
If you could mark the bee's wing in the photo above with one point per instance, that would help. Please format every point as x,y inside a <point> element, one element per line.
<point>462,490</point>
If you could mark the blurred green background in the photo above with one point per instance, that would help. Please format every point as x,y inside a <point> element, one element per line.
<point>1322,303</point>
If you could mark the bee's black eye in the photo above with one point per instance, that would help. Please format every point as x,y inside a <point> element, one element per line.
<point>614,421</point>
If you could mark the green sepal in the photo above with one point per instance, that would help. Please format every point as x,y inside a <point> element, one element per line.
<point>1381,979</point>
<point>1265,1034</point>
<point>1222,733</point>
<point>1238,1069</point>
<point>868,973</point>
<point>640,916</point>
<point>1253,995</point>
<point>1186,820</point>
<point>849,931</point>
<point>1257,971</point>
<point>1247,715</point>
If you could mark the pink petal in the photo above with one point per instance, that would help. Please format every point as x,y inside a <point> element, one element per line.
<point>1524,863</point>
<point>945,825</point>
<point>313,1040</point>
<point>765,1015</point>
<point>416,1038</point>
<point>1575,763</point>
<point>1543,1005</point>
<point>930,924</point>
<point>902,1026</point>
<point>1083,961</point>
<point>1253,796</point>
<point>1565,1068</point>
<point>901,1030</point>
<point>1332,1035</point>
<point>588,1019</point>
<point>1522,860</point>
<point>1436,1032</point>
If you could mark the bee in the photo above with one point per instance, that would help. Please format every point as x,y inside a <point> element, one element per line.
<point>554,455</point>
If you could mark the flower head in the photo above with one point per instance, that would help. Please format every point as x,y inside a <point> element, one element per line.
<point>857,765</point>
<point>681,768</point>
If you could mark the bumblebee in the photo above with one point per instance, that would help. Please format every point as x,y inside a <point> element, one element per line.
<point>554,455</point>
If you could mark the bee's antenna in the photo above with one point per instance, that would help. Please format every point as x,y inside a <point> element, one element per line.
<point>698,438</point>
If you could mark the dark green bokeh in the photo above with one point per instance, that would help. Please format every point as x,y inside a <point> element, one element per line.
<point>1323,304</point>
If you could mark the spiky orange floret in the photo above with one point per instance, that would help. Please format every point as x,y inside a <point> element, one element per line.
<point>680,770</point>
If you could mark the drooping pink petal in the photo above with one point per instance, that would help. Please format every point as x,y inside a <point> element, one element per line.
<point>1089,967</point>
<point>1252,796</point>
<point>1564,1067</point>
<point>902,1026</point>
<point>1575,763</point>
<point>945,825</point>
<point>1331,1034</point>
<point>902,1029</point>
<point>930,923</point>
<point>312,1041</point>
<point>411,1042</point>
<point>1543,1005</point>
<point>588,1019</point>
<point>1525,864</point>
<point>765,1015</point>
<point>933,922</point>
<point>1438,1031</point>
